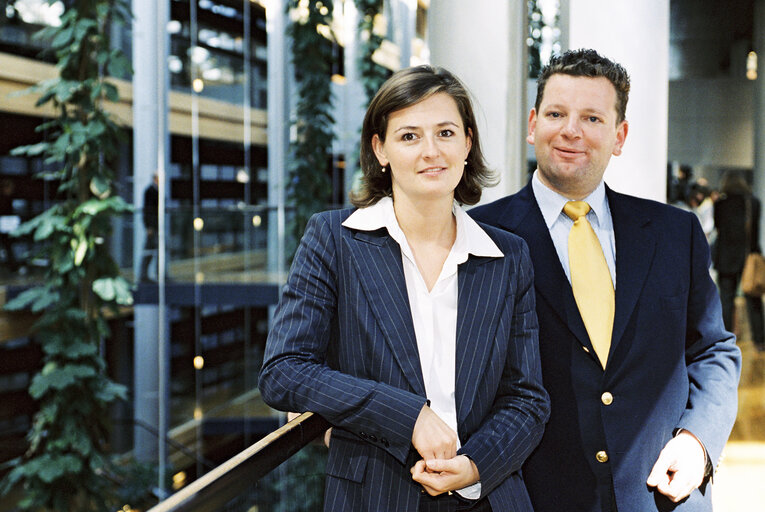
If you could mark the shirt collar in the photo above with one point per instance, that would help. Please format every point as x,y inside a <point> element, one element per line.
<point>471,238</point>
<point>551,203</point>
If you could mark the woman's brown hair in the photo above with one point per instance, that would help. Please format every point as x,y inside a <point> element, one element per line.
<point>404,89</point>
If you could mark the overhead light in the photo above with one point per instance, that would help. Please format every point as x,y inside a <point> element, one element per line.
<point>174,27</point>
<point>751,66</point>
<point>174,64</point>
<point>198,54</point>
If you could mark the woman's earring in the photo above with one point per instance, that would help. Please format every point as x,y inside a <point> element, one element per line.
<point>382,170</point>
<point>466,162</point>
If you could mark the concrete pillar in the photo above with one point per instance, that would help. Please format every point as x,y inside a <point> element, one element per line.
<point>483,43</point>
<point>279,73</point>
<point>150,143</point>
<point>635,34</point>
<point>403,19</point>
<point>759,108</point>
<point>350,98</point>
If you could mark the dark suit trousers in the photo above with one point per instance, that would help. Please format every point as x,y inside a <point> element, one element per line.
<point>728,284</point>
<point>446,503</point>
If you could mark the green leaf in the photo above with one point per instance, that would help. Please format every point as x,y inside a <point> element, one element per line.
<point>80,251</point>
<point>72,349</point>
<point>83,26</point>
<point>92,207</point>
<point>111,391</point>
<point>10,481</point>
<point>25,298</point>
<point>44,301</point>
<point>104,288</point>
<point>31,150</point>
<point>50,467</point>
<point>124,295</point>
<point>63,37</point>
<point>111,91</point>
<point>115,289</point>
<point>100,187</point>
<point>54,377</point>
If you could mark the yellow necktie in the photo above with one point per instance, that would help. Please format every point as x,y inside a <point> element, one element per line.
<point>590,279</point>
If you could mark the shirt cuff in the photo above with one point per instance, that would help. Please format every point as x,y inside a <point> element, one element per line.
<point>471,492</point>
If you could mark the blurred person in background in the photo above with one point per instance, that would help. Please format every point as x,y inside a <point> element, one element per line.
<point>9,221</point>
<point>151,227</point>
<point>737,221</point>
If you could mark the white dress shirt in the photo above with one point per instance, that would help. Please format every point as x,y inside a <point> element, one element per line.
<point>434,312</point>
<point>551,204</point>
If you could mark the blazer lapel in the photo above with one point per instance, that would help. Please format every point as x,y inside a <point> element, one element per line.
<point>525,219</point>
<point>635,249</point>
<point>480,296</point>
<point>377,258</point>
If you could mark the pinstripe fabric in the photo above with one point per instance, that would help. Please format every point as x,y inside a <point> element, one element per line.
<point>446,503</point>
<point>342,345</point>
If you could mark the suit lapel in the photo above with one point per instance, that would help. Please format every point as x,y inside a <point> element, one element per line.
<point>526,220</point>
<point>481,291</point>
<point>377,258</point>
<point>635,249</point>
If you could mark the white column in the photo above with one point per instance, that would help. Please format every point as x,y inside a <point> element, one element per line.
<point>350,98</point>
<point>483,43</point>
<point>279,78</point>
<point>758,175</point>
<point>636,35</point>
<point>150,155</point>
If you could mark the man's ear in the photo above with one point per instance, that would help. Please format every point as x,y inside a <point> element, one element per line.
<point>532,126</point>
<point>621,136</point>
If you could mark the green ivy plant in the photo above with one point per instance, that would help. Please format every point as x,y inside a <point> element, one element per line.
<point>534,40</point>
<point>372,74</point>
<point>309,187</point>
<point>66,466</point>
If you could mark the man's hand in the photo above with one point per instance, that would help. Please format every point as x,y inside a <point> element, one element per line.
<point>680,467</point>
<point>432,438</point>
<point>438,476</point>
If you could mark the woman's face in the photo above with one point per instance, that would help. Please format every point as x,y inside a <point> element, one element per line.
<point>426,147</point>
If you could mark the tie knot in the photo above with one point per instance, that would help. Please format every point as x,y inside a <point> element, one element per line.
<point>576,209</point>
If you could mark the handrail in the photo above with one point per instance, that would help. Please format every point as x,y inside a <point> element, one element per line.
<point>224,483</point>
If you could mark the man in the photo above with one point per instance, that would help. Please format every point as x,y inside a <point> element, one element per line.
<point>642,375</point>
<point>151,224</point>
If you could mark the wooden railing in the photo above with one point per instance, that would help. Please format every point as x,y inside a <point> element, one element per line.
<point>232,478</point>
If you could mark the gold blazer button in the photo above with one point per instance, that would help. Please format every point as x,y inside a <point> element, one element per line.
<point>607,398</point>
<point>601,456</point>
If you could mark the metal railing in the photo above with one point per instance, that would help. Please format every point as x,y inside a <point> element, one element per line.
<point>226,482</point>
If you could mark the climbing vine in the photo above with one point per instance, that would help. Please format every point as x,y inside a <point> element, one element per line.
<point>66,465</point>
<point>372,74</point>
<point>309,188</point>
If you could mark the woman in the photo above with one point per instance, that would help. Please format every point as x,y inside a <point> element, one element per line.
<point>737,220</point>
<point>409,327</point>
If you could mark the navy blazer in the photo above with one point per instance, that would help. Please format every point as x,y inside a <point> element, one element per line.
<point>671,365</point>
<point>342,345</point>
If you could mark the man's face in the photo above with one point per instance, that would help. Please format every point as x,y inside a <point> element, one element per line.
<point>575,133</point>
